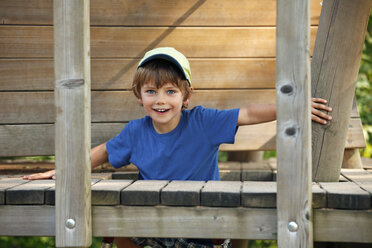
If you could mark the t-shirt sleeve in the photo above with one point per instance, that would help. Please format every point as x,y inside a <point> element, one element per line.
<point>119,148</point>
<point>220,126</point>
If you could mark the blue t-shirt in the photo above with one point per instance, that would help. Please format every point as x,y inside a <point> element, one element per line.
<point>189,152</point>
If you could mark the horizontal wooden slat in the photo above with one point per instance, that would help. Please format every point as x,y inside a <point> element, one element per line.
<point>7,183</point>
<point>32,192</point>
<point>107,192</point>
<point>346,195</point>
<point>194,222</point>
<point>113,106</point>
<point>182,193</point>
<point>130,42</point>
<point>28,140</point>
<point>117,74</point>
<point>259,194</point>
<point>221,193</point>
<point>156,12</point>
<point>256,172</point>
<point>143,192</point>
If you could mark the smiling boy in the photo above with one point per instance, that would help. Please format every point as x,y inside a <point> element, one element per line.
<point>172,142</point>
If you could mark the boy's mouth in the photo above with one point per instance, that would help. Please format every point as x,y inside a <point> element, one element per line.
<point>161,110</point>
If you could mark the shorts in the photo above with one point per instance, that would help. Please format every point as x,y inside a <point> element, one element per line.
<point>177,243</point>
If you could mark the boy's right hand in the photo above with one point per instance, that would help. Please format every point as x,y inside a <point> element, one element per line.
<point>45,175</point>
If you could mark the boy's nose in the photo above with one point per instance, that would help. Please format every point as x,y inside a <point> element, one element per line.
<point>160,99</point>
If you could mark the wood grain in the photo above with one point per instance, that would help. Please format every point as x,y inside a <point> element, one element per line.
<point>107,192</point>
<point>334,73</point>
<point>156,12</point>
<point>30,193</point>
<point>117,74</point>
<point>143,192</point>
<point>221,193</point>
<point>133,42</point>
<point>182,193</point>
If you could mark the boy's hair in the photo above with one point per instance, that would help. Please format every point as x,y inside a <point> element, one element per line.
<point>160,72</point>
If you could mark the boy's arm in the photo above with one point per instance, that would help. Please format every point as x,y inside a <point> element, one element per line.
<point>259,113</point>
<point>98,156</point>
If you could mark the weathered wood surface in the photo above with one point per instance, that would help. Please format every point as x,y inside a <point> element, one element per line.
<point>182,193</point>
<point>107,192</point>
<point>32,193</point>
<point>293,140</point>
<point>156,12</point>
<point>346,195</point>
<point>221,193</point>
<point>133,42</point>
<point>334,71</point>
<point>261,194</point>
<point>143,193</point>
<point>215,222</point>
<point>73,117</point>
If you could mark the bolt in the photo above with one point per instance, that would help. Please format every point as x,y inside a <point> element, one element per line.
<point>70,223</point>
<point>292,226</point>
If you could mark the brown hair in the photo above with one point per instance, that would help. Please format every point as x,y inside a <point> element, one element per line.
<point>160,72</point>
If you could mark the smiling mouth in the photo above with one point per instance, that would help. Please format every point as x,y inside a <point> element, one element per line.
<point>161,110</point>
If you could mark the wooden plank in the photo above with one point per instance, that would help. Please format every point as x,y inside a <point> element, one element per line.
<point>330,225</point>
<point>221,194</point>
<point>263,194</point>
<point>357,175</point>
<point>31,193</point>
<point>73,118</point>
<point>342,225</point>
<point>259,194</point>
<point>7,183</point>
<point>28,140</point>
<point>50,194</point>
<point>256,172</point>
<point>117,74</point>
<point>188,222</point>
<point>294,198</point>
<point>143,192</point>
<point>156,12</point>
<point>107,192</point>
<point>112,106</point>
<point>334,73</point>
<point>182,193</point>
<point>319,196</point>
<point>346,195</point>
<point>133,42</point>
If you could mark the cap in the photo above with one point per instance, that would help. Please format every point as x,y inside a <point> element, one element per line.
<point>172,55</point>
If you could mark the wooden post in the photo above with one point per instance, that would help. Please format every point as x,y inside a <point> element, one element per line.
<point>72,145</point>
<point>334,71</point>
<point>293,125</point>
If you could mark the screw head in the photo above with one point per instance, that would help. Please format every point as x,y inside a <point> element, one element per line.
<point>70,223</point>
<point>292,226</point>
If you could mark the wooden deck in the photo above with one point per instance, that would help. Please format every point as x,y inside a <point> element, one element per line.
<point>216,209</point>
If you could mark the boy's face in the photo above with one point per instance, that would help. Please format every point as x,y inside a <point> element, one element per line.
<point>163,105</point>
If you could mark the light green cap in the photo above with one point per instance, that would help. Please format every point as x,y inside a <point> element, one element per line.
<point>172,55</point>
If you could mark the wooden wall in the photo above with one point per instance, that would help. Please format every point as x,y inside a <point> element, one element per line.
<point>230,44</point>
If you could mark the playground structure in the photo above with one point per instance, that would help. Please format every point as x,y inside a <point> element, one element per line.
<point>234,61</point>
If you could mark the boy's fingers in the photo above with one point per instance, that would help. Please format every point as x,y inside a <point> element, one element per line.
<point>318,113</point>
<point>45,175</point>
<point>318,119</point>
<point>317,99</point>
<point>321,106</point>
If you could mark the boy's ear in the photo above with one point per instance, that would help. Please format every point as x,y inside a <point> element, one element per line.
<point>140,101</point>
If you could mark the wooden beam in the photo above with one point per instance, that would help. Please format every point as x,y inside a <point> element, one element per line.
<point>330,225</point>
<point>72,101</point>
<point>293,124</point>
<point>335,66</point>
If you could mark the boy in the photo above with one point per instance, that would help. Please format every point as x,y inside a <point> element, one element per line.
<point>173,143</point>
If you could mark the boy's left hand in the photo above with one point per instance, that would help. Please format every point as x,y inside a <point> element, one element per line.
<point>318,104</point>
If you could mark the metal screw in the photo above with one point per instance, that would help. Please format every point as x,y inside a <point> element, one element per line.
<point>292,226</point>
<point>70,223</point>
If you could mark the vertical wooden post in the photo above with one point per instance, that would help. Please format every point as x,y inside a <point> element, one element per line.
<point>72,99</point>
<point>293,125</point>
<point>334,70</point>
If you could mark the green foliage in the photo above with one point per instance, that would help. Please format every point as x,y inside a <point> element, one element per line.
<point>36,242</point>
<point>363,90</point>
<point>262,244</point>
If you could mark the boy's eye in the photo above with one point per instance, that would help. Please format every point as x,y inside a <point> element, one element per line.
<point>170,92</point>
<point>150,91</point>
